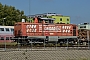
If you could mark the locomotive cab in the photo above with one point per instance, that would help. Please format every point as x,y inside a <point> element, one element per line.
<point>44,20</point>
<point>48,20</point>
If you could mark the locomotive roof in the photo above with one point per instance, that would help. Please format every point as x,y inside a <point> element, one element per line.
<point>48,18</point>
<point>40,23</point>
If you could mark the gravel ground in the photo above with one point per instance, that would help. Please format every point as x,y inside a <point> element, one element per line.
<point>61,54</point>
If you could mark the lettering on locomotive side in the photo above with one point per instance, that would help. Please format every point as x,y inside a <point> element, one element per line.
<point>48,28</point>
<point>31,28</point>
<point>53,28</point>
<point>66,29</point>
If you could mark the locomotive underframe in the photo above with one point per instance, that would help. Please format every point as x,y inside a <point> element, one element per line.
<point>45,39</point>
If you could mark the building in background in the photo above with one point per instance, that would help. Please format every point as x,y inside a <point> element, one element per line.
<point>84,26</point>
<point>61,19</point>
<point>58,17</point>
<point>84,31</point>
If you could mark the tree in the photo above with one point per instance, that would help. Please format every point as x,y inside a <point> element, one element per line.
<point>11,15</point>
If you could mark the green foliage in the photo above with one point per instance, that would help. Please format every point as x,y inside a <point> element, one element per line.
<point>9,15</point>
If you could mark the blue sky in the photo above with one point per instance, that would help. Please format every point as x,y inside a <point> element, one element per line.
<point>78,10</point>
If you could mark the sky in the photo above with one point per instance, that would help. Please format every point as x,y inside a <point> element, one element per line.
<point>78,10</point>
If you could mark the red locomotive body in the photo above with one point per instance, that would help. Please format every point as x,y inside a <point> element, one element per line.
<point>38,29</point>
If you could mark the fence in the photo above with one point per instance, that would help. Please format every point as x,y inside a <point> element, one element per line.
<point>44,45</point>
<point>43,52</point>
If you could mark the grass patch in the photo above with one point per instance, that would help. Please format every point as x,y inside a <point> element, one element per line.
<point>9,43</point>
